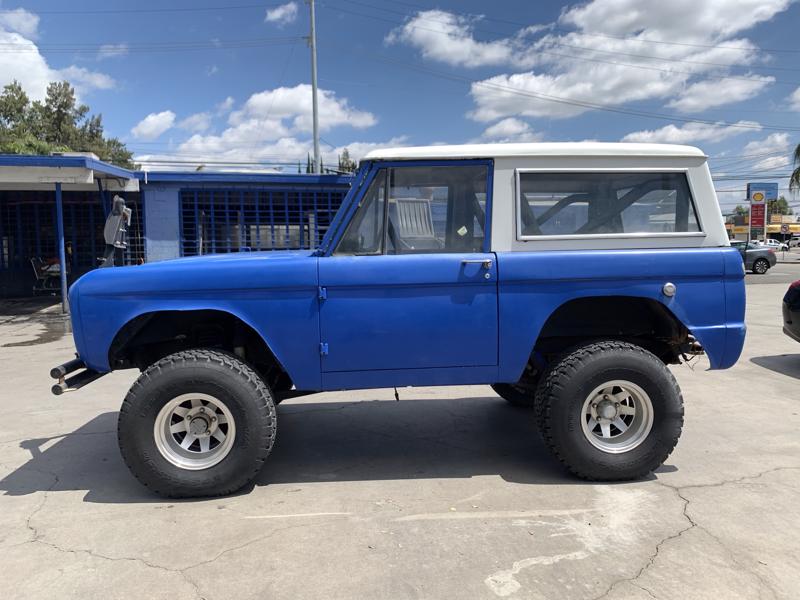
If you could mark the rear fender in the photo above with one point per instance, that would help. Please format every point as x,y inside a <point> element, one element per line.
<point>709,299</point>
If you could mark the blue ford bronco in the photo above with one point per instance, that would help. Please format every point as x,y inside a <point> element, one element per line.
<point>566,276</point>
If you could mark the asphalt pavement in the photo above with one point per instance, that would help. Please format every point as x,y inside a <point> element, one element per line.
<point>448,493</point>
<point>784,273</point>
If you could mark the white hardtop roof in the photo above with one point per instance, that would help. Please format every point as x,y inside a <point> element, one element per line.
<point>535,149</point>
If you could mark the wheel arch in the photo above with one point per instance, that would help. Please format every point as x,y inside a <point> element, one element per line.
<point>149,336</point>
<point>640,320</point>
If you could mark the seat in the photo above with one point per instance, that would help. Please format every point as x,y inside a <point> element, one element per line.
<point>412,220</point>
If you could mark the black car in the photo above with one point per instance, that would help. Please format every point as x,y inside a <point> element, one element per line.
<point>791,311</point>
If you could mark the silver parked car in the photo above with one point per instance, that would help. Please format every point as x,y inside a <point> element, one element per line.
<point>757,257</point>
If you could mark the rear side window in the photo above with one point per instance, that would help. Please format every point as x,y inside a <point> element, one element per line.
<point>610,203</point>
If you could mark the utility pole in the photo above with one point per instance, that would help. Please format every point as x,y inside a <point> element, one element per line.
<point>313,43</point>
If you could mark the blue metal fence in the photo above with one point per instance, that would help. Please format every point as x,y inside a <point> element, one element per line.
<point>28,231</point>
<point>220,220</point>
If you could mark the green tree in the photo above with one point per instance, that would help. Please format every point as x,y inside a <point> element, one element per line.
<point>794,180</point>
<point>13,106</point>
<point>741,210</point>
<point>779,207</point>
<point>58,124</point>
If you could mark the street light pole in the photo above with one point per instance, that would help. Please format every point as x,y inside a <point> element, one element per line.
<point>313,43</point>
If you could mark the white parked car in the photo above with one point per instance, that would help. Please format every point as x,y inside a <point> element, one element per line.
<point>776,245</point>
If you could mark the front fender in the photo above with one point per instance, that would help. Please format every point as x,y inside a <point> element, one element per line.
<point>279,303</point>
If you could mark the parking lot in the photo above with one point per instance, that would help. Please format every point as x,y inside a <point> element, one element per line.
<point>448,493</point>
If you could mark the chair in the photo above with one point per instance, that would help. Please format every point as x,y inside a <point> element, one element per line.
<point>48,276</point>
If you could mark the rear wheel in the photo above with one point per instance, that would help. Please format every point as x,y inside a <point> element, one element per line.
<point>610,411</point>
<point>517,395</point>
<point>761,266</point>
<point>197,423</point>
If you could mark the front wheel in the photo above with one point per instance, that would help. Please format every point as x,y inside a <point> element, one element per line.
<point>610,411</point>
<point>761,266</point>
<point>197,423</point>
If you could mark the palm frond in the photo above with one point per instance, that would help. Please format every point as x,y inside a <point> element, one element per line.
<point>794,180</point>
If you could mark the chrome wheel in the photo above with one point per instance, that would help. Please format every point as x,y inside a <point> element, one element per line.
<point>194,431</point>
<point>617,416</point>
<point>761,266</point>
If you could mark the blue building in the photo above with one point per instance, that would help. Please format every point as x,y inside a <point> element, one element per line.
<point>174,214</point>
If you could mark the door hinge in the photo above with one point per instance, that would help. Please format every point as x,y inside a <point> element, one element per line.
<point>322,293</point>
<point>323,349</point>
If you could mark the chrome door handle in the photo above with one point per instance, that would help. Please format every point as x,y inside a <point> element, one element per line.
<point>486,262</point>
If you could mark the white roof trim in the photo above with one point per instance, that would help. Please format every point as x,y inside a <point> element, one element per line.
<point>534,150</point>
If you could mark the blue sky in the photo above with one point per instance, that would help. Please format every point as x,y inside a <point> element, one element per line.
<point>230,83</point>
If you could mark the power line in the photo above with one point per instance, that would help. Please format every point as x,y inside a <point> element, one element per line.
<point>560,44</point>
<point>678,60</point>
<point>673,71</point>
<point>600,35</point>
<point>9,48</point>
<point>108,11</point>
<point>178,161</point>
<point>576,102</point>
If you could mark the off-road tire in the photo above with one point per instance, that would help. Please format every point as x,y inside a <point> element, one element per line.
<point>515,394</point>
<point>197,371</point>
<point>568,383</point>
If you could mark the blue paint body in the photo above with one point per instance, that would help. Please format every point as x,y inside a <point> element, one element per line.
<point>348,322</point>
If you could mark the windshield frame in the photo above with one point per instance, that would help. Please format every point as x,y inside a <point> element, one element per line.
<point>361,178</point>
<point>350,204</point>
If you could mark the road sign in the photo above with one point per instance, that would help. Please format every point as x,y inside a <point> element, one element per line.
<point>785,228</point>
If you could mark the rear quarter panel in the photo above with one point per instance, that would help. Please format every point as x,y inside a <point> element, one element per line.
<point>710,296</point>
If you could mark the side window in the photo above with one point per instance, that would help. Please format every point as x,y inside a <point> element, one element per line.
<point>604,203</point>
<point>364,234</point>
<point>437,209</point>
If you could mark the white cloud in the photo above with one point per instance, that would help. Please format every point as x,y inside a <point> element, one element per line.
<point>794,100</point>
<point>710,93</point>
<point>275,125</point>
<point>773,151</point>
<point>691,133</point>
<point>687,20</point>
<point>112,51</point>
<point>607,58</point>
<point>212,70</point>
<point>196,123</point>
<point>510,130</point>
<point>29,67</point>
<point>293,105</point>
<point>282,15</point>
<point>20,21</point>
<point>449,38</point>
<point>84,80</point>
<point>153,125</point>
<point>225,106</point>
<point>283,154</point>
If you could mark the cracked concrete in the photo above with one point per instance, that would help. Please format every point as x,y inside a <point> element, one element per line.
<point>447,493</point>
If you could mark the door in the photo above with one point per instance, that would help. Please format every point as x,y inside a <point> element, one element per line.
<point>411,284</point>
